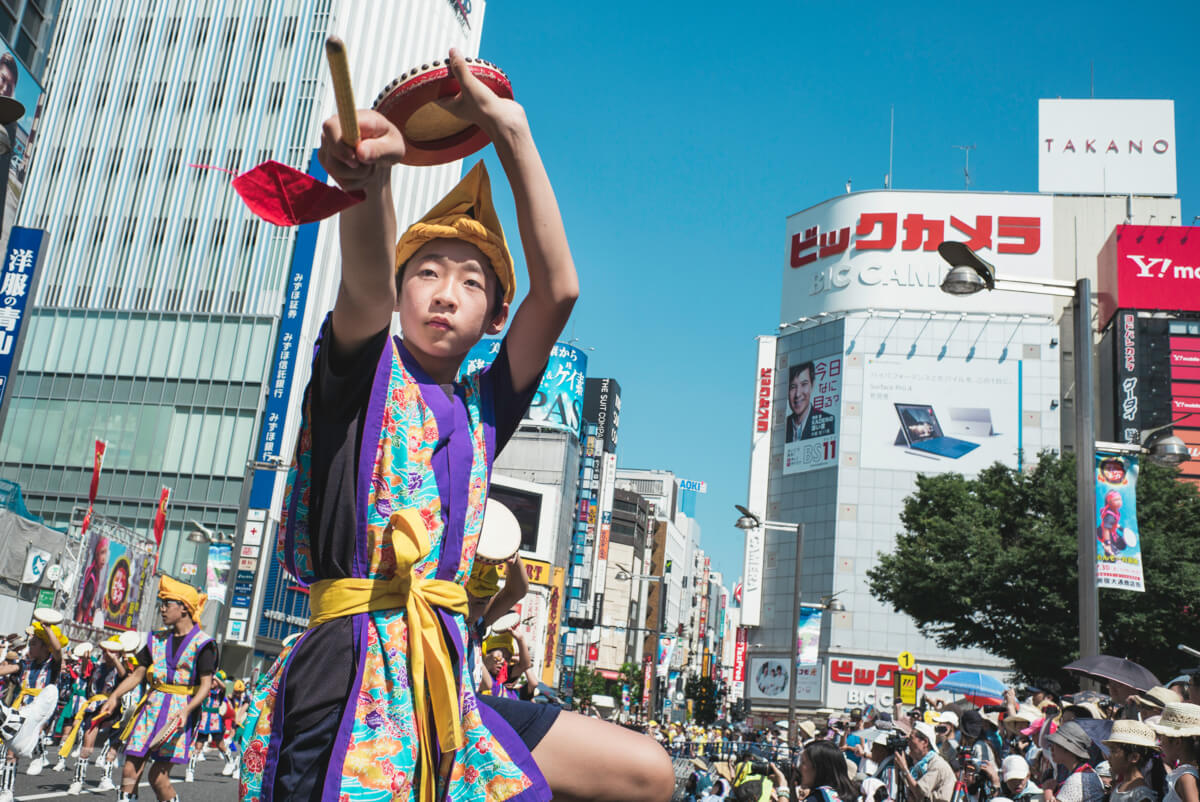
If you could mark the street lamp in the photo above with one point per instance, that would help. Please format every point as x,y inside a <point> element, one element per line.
<point>750,521</point>
<point>968,275</point>
<point>623,575</point>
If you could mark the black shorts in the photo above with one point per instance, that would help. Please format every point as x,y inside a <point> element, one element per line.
<point>530,720</point>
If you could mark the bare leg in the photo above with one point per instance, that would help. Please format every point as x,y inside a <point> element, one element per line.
<point>131,772</point>
<point>585,758</point>
<point>160,781</point>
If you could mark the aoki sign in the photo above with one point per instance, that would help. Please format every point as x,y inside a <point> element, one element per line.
<point>878,250</point>
<point>1106,147</point>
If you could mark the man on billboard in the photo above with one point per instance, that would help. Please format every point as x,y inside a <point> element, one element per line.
<point>805,422</point>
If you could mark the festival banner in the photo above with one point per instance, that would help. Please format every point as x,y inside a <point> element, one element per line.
<point>109,593</point>
<point>666,647</point>
<point>97,465</point>
<point>1118,547</point>
<point>808,637</point>
<point>220,555</point>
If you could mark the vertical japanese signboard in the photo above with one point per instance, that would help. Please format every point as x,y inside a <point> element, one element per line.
<point>1118,546</point>
<point>16,282</point>
<point>756,492</point>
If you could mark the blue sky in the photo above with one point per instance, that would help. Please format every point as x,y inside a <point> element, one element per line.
<point>680,136</point>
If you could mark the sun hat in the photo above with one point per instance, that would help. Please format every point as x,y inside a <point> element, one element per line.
<point>1025,715</point>
<point>926,731</point>
<point>807,729</point>
<point>1014,767</point>
<point>1085,710</point>
<point>972,724</point>
<point>992,718</point>
<point>948,717</point>
<point>881,739</point>
<point>1158,697</point>
<point>1071,737</point>
<point>1179,720</point>
<point>884,721</point>
<point>1131,733</point>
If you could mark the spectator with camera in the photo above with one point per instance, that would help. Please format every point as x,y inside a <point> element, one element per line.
<point>756,779</point>
<point>975,756</point>
<point>930,778</point>
<point>1014,780</point>
<point>945,724</point>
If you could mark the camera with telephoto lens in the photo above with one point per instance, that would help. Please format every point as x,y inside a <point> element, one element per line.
<point>966,759</point>
<point>896,743</point>
<point>760,768</point>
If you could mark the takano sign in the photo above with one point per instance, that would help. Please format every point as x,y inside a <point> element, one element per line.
<point>878,250</point>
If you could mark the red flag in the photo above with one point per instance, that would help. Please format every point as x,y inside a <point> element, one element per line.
<point>160,517</point>
<point>87,520</point>
<point>97,464</point>
<point>593,652</point>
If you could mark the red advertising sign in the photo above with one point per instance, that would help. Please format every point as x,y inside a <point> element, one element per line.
<point>762,417</point>
<point>1149,267</point>
<point>739,656</point>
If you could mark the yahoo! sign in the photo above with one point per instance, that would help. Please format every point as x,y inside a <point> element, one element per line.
<point>1151,268</point>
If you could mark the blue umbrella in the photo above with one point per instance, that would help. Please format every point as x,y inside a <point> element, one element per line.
<point>971,683</point>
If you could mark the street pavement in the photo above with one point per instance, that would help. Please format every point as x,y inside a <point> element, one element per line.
<point>209,786</point>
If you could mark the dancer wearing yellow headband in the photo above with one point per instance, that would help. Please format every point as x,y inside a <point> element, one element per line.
<point>34,705</point>
<point>178,663</point>
<point>386,498</point>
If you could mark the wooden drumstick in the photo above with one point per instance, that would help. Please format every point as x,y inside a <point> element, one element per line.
<point>343,92</point>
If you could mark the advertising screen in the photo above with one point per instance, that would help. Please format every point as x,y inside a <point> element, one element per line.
<point>558,402</point>
<point>935,416</point>
<point>813,403</point>
<point>16,139</point>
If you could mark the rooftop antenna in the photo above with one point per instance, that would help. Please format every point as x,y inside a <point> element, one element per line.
<point>889,180</point>
<point>966,149</point>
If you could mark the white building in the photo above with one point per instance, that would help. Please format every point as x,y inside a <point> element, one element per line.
<point>905,380</point>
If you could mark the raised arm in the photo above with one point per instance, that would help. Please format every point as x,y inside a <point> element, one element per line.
<point>367,291</point>
<point>553,283</point>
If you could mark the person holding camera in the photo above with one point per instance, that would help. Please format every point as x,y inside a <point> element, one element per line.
<point>755,779</point>
<point>930,779</point>
<point>975,757</point>
<point>883,755</point>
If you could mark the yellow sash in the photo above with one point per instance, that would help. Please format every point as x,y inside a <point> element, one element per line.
<point>26,693</point>
<point>155,685</point>
<point>69,741</point>
<point>430,669</point>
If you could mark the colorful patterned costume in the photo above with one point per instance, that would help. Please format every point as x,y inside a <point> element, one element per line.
<point>171,682</point>
<point>212,713</point>
<point>427,450</point>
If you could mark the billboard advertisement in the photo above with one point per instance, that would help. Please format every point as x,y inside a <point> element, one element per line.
<point>1106,147</point>
<point>602,406</point>
<point>1149,267</point>
<point>878,250</point>
<point>16,138</point>
<point>1118,547</point>
<point>809,637</point>
<point>110,586</point>
<point>756,492</point>
<point>813,402</point>
<point>558,402</point>
<point>768,680</point>
<point>933,416</point>
<point>220,555</point>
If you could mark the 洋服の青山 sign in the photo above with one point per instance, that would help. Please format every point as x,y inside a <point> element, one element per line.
<point>1151,268</point>
<point>878,250</point>
<point>762,419</point>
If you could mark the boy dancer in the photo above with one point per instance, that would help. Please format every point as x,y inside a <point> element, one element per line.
<point>387,491</point>
<point>28,716</point>
<point>178,663</point>
<point>103,677</point>
<point>211,729</point>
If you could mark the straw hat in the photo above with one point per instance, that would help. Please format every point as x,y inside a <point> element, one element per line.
<point>1025,715</point>
<point>1085,710</point>
<point>807,729</point>
<point>1179,720</point>
<point>1131,733</point>
<point>1157,697</point>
